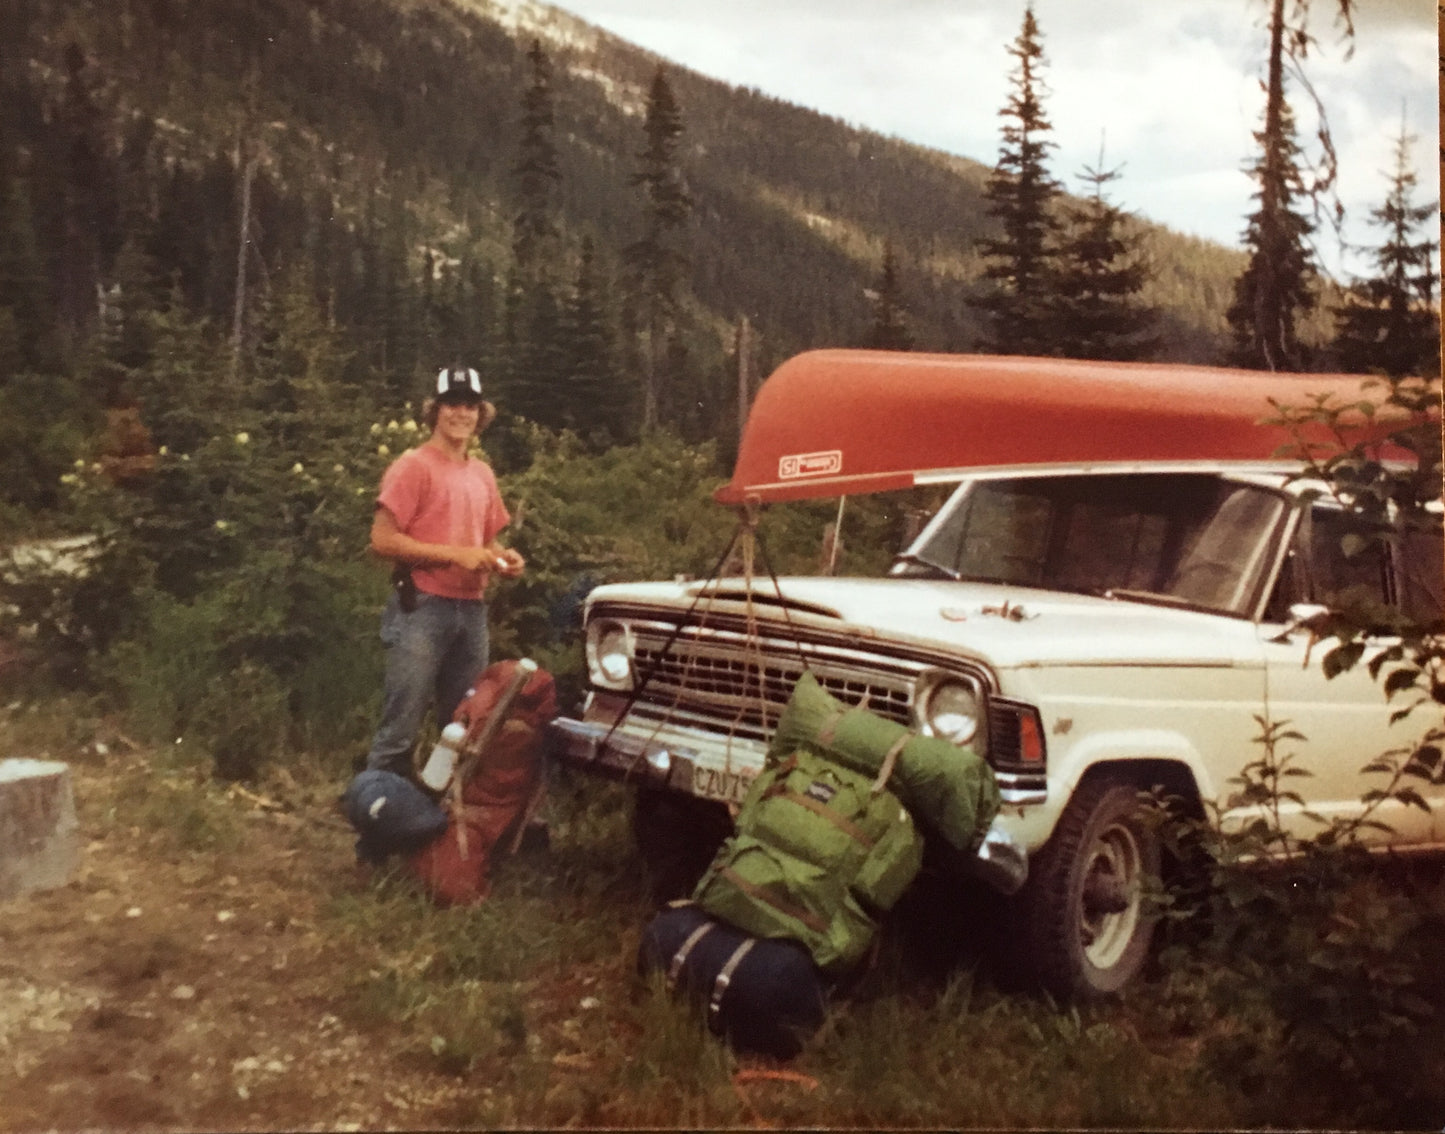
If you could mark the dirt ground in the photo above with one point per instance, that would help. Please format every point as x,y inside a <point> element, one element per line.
<point>191,991</point>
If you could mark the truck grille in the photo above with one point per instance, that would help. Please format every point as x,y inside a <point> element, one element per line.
<point>714,675</point>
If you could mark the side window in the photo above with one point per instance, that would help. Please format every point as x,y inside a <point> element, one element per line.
<point>1420,572</point>
<point>1338,578</point>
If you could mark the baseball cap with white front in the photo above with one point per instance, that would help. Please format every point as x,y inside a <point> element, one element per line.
<point>459,382</point>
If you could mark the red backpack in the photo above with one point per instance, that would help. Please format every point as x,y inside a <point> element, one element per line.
<point>498,783</point>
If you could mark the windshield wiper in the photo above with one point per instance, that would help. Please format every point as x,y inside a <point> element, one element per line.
<point>1154,597</point>
<point>918,561</point>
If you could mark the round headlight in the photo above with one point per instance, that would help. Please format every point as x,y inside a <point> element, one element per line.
<point>614,654</point>
<point>952,709</point>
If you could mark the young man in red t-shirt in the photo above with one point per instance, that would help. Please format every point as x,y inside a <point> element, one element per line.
<point>438,513</point>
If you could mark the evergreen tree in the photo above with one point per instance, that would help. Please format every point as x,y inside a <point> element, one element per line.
<point>1101,271</point>
<point>890,328</point>
<point>536,172</point>
<point>88,206</point>
<point>25,313</point>
<point>1389,321</point>
<point>530,358</point>
<point>1277,285</point>
<point>293,386</point>
<point>1021,194</point>
<point>537,388</point>
<point>595,403</point>
<point>657,261</point>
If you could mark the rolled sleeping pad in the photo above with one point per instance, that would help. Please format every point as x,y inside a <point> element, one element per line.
<point>951,789</point>
<point>759,995</point>
<point>391,814</point>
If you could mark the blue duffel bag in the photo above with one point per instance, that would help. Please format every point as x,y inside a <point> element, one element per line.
<point>759,995</point>
<point>391,814</point>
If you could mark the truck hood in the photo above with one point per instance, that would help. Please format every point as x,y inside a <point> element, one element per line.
<point>1003,626</point>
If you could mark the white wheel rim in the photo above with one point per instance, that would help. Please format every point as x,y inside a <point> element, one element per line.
<point>1114,860</point>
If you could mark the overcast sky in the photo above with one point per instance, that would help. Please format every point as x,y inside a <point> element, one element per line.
<point>1170,88</point>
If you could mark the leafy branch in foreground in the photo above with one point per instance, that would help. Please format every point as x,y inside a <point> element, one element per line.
<point>1318,949</point>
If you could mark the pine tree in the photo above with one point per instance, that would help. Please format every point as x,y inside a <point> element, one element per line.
<point>890,327</point>
<point>89,203</point>
<point>1101,272</point>
<point>536,172</point>
<point>1277,285</point>
<point>1389,322</point>
<point>656,261</point>
<point>530,361</point>
<point>25,313</point>
<point>537,388</point>
<point>596,404</point>
<point>1021,194</point>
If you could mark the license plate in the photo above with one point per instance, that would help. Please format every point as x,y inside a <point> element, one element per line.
<point>714,783</point>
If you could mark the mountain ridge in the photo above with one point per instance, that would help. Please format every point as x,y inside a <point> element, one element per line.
<point>393,124</point>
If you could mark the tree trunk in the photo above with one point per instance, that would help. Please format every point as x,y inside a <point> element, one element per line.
<point>39,841</point>
<point>745,373</point>
<point>1269,327</point>
<point>238,317</point>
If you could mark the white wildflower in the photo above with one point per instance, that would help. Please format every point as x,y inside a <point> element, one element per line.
<point>297,469</point>
<point>243,438</point>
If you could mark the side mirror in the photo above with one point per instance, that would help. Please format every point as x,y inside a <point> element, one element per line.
<point>1301,614</point>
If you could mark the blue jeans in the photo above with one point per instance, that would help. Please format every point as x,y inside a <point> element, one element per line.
<point>433,654</point>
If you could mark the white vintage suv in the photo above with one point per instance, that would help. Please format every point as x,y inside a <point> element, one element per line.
<point>1093,633</point>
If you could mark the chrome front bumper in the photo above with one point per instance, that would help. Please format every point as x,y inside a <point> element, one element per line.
<point>668,760</point>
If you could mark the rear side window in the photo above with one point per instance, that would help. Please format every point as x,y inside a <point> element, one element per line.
<point>1344,572</point>
<point>1345,568</point>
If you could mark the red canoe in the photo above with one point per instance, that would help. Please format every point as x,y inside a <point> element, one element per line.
<point>838,422</point>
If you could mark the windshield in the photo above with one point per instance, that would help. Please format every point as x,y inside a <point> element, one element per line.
<point>1182,539</point>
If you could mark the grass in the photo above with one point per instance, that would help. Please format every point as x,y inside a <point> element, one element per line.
<point>533,992</point>
<point>532,998</point>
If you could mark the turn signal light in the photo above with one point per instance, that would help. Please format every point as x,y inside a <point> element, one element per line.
<point>1031,739</point>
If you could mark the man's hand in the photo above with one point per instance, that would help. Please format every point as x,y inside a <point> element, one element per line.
<point>503,561</point>
<point>478,559</point>
<point>509,563</point>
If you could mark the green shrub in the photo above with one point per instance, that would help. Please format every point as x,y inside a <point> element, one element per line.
<point>1323,955</point>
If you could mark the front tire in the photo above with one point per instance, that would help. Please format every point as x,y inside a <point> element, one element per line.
<point>677,836</point>
<point>1084,914</point>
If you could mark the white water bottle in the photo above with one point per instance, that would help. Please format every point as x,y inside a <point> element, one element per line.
<point>442,762</point>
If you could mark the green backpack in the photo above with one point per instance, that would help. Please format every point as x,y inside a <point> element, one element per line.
<point>820,852</point>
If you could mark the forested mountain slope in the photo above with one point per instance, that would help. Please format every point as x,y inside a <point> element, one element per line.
<point>372,143</point>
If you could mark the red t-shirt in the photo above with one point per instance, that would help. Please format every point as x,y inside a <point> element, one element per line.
<point>438,500</point>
